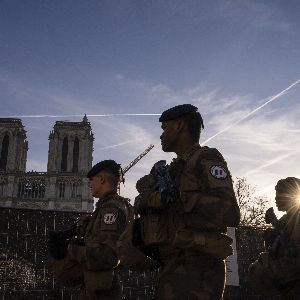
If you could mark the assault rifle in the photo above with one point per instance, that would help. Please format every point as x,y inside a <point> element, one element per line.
<point>281,245</point>
<point>67,235</point>
<point>63,237</point>
<point>63,234</point>
<point>164,183</point>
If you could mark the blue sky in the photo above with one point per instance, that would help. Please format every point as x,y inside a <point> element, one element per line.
<point>64,57</point>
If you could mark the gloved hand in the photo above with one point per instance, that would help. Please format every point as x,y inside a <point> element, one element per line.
<point>146,182</point>
<point>57,246</point>
<point>169,197</point>
<point>141,201</point>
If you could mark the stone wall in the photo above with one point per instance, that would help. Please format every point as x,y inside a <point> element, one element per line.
<point>24,264</point>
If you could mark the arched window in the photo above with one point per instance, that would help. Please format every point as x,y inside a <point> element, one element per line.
<point>4,152</point>
<point>74,187</point>
<point>64,155</point>
<point>75,155</point>
<point>2,187</point>
<point>62,188</point>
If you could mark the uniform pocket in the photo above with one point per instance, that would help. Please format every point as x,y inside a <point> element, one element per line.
<point>155,229</point>
<point>215,244</point>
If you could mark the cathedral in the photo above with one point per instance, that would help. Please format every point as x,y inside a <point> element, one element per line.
<point>64,186</point>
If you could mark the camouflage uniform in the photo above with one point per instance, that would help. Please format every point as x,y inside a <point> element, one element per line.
<point>292,229</point>
<point>92,263</point>
<point>188,237</point>
<point>279,272</point>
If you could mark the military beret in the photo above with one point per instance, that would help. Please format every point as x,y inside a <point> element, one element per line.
<point>177,111</point>
<point>109,166</point>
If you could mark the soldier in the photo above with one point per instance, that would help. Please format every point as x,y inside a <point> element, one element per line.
<point>91,257</point>
<point>184,210</point>
<point>277,270</point>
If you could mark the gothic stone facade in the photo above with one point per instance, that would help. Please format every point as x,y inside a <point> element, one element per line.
<point>64,186</point>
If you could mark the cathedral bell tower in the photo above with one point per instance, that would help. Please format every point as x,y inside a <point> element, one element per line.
<point>64,186</point>
<point>13,146</point>
<point>69,160</point>
<point>70,147</point>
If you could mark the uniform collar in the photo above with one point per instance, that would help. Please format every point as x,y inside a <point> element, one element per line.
<point>105,198</point>
<point>189,153</point>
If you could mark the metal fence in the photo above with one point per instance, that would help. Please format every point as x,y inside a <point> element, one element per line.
<point>25,271</point>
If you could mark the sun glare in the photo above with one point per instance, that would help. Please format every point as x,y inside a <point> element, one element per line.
<point>298,199</point>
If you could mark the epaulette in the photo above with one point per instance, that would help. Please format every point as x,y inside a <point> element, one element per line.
<point>118,199</point>
<point>210,153</point>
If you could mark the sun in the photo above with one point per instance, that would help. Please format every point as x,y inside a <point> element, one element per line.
<point>298,199</point>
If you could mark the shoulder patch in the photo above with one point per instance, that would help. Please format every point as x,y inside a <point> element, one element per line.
<point>218,172</point>
<point>109,218</point>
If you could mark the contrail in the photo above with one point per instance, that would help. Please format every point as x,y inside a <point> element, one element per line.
<point>120,144</point>
<point>115,145</point>
<point>272,162</point>
<point>70,116</point>
<point>253,111</point>
<point>154,114</point>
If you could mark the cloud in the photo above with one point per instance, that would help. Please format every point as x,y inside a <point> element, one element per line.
<point>78,116</point>
<point>263,149</point>
<point>266,16</point>
<point>271,162</point>
<point>261,145</point>
<point>271,99</point>
<point>117,145</point>
<point>36,165</point>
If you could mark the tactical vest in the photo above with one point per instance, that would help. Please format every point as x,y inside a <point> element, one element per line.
<point>181,225</point>
<point>93,227</point>
<point>131,250</point>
